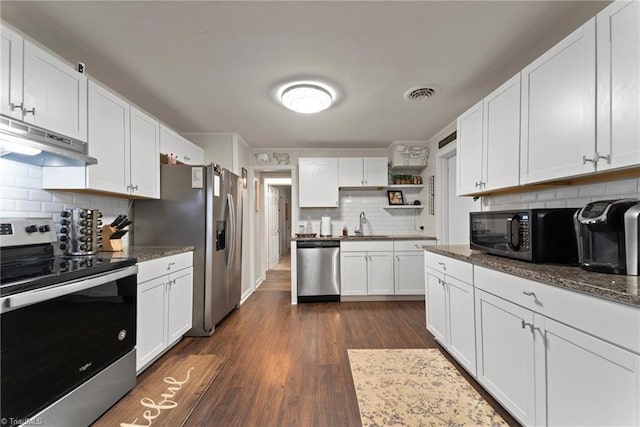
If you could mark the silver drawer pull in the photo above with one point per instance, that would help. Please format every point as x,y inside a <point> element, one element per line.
<point>529,294</point>
<point>170,264</point>
<point>444,266</point>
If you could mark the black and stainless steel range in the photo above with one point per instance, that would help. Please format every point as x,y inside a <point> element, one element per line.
<point>68,329</point>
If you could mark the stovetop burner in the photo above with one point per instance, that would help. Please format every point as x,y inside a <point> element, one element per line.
<point>28,261</point>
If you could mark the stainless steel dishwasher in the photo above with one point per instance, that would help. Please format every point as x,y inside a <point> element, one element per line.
<point>318,268</point>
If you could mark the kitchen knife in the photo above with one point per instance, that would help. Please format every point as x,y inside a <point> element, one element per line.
<point>117,220</point>
<point>123,224</point>
<point>118,234</point>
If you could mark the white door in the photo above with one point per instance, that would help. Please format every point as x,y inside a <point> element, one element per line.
<point>353,273</point>
<point>380,274</point>
<point>350,172</point>
<point>436,305</point>
<point>274,227</point>
<point>469,151</point>
<point>460,318</point>
<point>145,151</point>
<point>55,95</point>
<point>409,273</point>
<point>151,324</point>
<point>180,304</point>
<point>457,209</point>
<point>282,227</point>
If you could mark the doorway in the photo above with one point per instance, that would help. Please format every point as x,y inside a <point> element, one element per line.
<point>453,211</point>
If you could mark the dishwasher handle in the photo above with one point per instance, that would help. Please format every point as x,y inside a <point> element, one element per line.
<point>314,244</point>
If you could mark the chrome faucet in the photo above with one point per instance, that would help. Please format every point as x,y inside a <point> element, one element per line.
<point>363,220</point>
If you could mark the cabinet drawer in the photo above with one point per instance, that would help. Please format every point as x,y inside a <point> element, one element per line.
<point>148,270</point>
<point>451,267</point>
<point>608,320</point>
<point>411,245</point>
<point>367,246</point>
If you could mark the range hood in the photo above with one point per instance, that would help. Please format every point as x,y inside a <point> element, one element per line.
<point>26,143</point>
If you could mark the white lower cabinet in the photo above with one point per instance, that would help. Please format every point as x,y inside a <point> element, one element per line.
<point>450,308</point>
<point>365,272</point>
<point>165,305</point>
<point>556,357</point>
<point>505,354</point>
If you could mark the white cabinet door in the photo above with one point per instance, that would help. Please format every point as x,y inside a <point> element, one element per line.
<point>589,382</point>
<point>353,273</point>
<point>436,305</point>
<point>375,171</point>
<point>501,139</point>
<point>461,321</point>
<point>145,155</point>
<point>380,274</point>
<point>55,95</point>
<point>180,303</point>
<point>193,154</point>
<point>318,182</point>
<point>109,141</point>
<point>151,325</point>
<point>618,41</point>
<point>409,273</point>
<point>558,109</point>
<point>469,151</point>
<point>505,362</point>
<point>350,170</point>
<point>11,73</point>
<point>171,142</point>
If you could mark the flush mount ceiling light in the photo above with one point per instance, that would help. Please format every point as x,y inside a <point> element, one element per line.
<point>306,98</point>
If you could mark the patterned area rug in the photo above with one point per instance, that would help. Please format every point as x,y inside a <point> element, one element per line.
<point>166,396</point>
<point>417,387</point>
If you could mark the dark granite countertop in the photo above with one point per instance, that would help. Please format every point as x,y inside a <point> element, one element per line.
<point>147,253</point>
<point>613,287</point>
<point>367,237</point>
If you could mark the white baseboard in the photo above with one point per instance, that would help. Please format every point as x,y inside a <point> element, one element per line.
<point>259,282</point>
<point>246,296</point>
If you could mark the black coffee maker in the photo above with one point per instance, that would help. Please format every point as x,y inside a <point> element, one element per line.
<point>607,232</point>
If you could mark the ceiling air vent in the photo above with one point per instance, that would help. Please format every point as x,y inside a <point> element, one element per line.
<point>419,93</point>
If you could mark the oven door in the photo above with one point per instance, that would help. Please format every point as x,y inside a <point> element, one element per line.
<point>55,338</point>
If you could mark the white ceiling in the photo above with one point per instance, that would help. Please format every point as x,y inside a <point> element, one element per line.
<point>210,66</point>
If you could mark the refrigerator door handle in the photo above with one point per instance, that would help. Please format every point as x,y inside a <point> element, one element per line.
<point>232,221</point>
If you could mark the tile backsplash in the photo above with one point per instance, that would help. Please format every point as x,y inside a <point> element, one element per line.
<point>372,203</point>
<point>21,195</point>
<point>565,197</point>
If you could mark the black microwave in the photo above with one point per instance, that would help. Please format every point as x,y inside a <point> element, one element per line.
<point>535,235</point>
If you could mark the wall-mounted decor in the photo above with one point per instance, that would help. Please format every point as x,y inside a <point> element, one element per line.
<point>413,154</point>
<point>256,191</point>
<point>244,178</point>
<point>432,195</point>
<point>263,158</point>
<point>395,197</point>
<point>282,158</point>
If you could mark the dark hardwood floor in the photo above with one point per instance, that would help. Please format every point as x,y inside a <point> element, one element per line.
<point>288,365</point>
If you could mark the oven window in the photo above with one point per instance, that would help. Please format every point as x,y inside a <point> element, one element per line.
<point>49,348</point>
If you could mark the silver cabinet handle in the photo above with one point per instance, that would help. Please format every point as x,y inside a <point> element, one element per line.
<point>607,157</point>
<point>585,160</point>
<point>478,183</point>
<point>32,111</point>
<point>134,187</point>
<point>444,266</point>
<point>398,258</point>
<point>170,264</point>
<point>16,106</point>
<point>529,294</point>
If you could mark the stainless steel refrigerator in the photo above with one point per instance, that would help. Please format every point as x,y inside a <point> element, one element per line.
<point>200,206</point>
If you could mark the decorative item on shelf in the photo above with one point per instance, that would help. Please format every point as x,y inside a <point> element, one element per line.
<point>416,180</point>
<point>413,154</point>
<point>417,202</point>
<point>395,197</point>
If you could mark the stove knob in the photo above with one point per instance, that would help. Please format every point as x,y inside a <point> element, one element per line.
<point>63,246</point>
<point>65,214</point>
<point>44,228</point>
<point>31,228</point>
<point>63,238</point>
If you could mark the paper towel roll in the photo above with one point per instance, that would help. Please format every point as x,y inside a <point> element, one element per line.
<point>325,226</point>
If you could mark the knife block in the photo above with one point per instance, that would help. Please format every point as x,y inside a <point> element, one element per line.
<point>109,245</point>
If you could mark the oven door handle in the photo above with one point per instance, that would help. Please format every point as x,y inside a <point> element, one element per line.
<point>39,295</point>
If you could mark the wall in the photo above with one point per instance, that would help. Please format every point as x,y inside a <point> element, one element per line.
<point>569,196</point>
<point>21,195</point>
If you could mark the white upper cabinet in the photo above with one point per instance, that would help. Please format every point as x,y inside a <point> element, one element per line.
<point>618,90</point>
<point>363,172</point>
<point>318,182</point>
<point>41,89</point>
<point>469,151</point>
<point>145,155</point>
<point>558,132</point>
<point>126,143</point>
<point>183,150</point>
<point>11,73</point>
<point>109,141</point>
<point>488,136</point>
<point>501,136</point>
